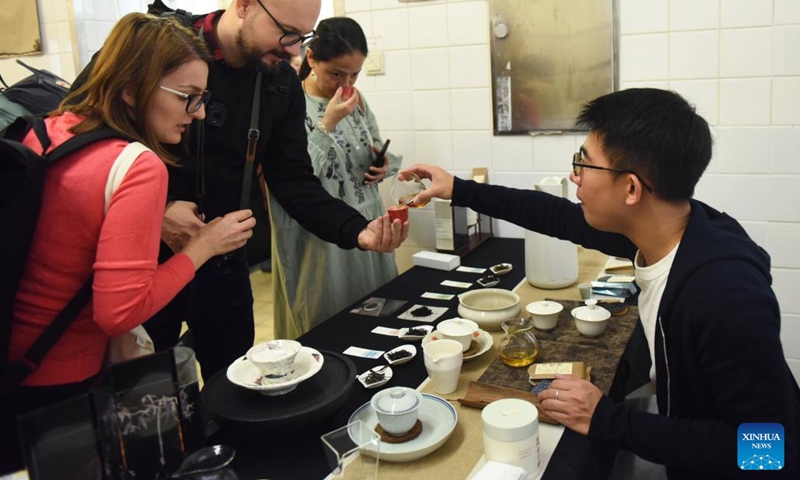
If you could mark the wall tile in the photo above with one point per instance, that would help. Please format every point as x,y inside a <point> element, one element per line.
<point>786,101</point>
<point>105,10</point>
<point>553,153</point>
<point>693,14</point>
<point>662,84</point>
<point>397,65</point>
<point>366,83</point>
<point>429,69</point>
<point>435,148</point>
<point>785,59</point>
<point>387,4</point>
<point>57,11</point>
<point>428,26</point>
<point>50,38</point>
<point>357,6</point>
<point>790,332</point>
<point>744,52</point>
<point>745,13</point>
<point>394,109</point>
<point>744,101</point>
<point>783,148</point>
<point>68,72</point>
<point>643,16</point>
<point>643,57</point>
<point>364,20</point>
<point>402,144</point>
<point>742,149</point>
<point>794,366</point>
<point>467,23</point>
<point>512,154</point>
<point>469,66</point>
<point>782,240</point>
<point>432,110</point>
<point>757,231</point>
<point>703,94</point>
<point>390,29</point>
<point>471,109</point>
<point>786,11</point>
<point>784,284</point>
<point>472,149</point>
<point>783,199</point>
<point>694,54</point>
<point>744,197</point>
<point>127,6</point>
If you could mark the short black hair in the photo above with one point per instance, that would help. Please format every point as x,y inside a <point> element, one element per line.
<point>336,36</point>
<point>655,133</point>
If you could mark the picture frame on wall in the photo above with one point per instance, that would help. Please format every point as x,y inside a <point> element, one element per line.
<point>19,28</point>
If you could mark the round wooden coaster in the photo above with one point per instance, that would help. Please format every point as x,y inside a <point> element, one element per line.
<point>410,435</point>
<point>474,347</point>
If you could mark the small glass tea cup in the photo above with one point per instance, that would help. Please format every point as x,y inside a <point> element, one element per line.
<point>405,190</point>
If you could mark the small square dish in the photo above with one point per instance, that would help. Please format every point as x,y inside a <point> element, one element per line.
<point>376,376</point>
<point>489,281</point>
<point>501,268</point>
<point>415,333</point>
<point>400,355</point>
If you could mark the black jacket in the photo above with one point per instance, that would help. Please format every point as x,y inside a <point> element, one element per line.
<point>719,361</point>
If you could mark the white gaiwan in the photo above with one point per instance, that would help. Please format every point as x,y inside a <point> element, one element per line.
<point>544,314</point>
<point>274,359</point>
<point>591,320</point>
<point>397,409</point>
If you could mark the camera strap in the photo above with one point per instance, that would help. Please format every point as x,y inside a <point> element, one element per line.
<point>252,144</point>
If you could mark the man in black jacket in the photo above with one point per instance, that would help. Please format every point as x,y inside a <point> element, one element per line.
<point>707,307</point>
<point>250,36</point>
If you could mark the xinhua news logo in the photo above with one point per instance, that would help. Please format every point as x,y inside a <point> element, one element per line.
<point>760,446</point>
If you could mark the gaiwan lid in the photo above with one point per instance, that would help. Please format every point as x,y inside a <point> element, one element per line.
<point>544,307</point>
<point>397,400</point>
<point>591,312</point>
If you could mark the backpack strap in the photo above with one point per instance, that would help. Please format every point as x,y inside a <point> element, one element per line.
<point>79,141</point>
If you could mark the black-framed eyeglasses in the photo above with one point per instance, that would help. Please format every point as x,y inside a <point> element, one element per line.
<point>289,37</point>
<point>193,101</point>
<point>578,164</point>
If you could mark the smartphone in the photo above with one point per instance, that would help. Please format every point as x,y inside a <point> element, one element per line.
<point>378,162</point>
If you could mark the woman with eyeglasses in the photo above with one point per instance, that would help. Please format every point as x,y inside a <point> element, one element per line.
<point>343,141</point>
<point>148,85</point>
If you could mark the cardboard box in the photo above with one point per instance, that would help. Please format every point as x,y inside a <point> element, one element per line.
<point>439,261</point>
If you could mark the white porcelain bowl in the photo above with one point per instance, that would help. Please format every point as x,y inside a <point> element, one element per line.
<point>274,358</point>
<point>488,307</point>
<point>544,314</point>
<point>591,320</point>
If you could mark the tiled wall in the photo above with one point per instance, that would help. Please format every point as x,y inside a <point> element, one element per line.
<point>736,60</point>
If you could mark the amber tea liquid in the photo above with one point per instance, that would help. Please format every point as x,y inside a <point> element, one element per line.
<point>408,198</point>
<point>518,357</point>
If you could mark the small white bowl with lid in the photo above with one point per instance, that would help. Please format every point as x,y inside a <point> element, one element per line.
<point>591,320</point>
<point>397,409</point>
<point>274,358</point>
<point>544,314</point>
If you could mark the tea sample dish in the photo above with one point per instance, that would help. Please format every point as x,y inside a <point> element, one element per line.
<point>415,333</point>
<point>482,342</point>
<point>244,373</point>
<point>376,376</point>
<point>501,268</point>
<point>438,420</point>
<point>400,355</point>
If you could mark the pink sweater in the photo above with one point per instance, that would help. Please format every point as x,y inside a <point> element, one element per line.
<point>75,239</point>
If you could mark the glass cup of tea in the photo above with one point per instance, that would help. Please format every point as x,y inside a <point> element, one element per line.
<point>404,190</point>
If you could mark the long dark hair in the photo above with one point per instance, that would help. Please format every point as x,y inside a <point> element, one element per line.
<point>336,36</point>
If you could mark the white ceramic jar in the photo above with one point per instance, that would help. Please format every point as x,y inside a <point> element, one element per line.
<point>511,434</point>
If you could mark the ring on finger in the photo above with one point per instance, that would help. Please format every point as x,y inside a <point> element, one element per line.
<point>558,391</point>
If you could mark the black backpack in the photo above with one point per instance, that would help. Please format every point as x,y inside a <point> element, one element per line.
<point>22,175</point>
<point>38,94</point>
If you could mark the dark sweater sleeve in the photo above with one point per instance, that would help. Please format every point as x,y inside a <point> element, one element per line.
<point>539,212</point>
<point>290,177</point>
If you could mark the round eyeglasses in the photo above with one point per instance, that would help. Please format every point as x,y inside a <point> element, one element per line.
<point>290,37</point>
<point>193,101</point>
<point>578,164</point>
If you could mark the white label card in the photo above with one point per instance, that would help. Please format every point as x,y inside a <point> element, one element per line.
<point>553,369</point>
<point>392,332</point>
<point>470,269</point>
<point>363,352</point>
<point>438,296</point>
<point>451,283</point>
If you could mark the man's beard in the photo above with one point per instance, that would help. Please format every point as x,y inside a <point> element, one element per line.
<point>254,58</point>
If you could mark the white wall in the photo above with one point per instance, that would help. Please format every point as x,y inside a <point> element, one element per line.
<point>735,59</point>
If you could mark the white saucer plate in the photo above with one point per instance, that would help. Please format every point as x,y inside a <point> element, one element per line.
<point>408,348</point>
<point>483,338</point>
<point>384,369</point>
<point>244,373</point>
<point>404,335</point>
<point>438,419</point>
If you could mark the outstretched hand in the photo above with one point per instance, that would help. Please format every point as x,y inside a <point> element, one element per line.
<point>441,183</point>
<point>382,235</point>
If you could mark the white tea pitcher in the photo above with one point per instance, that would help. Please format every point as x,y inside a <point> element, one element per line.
<point>550,262</point>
